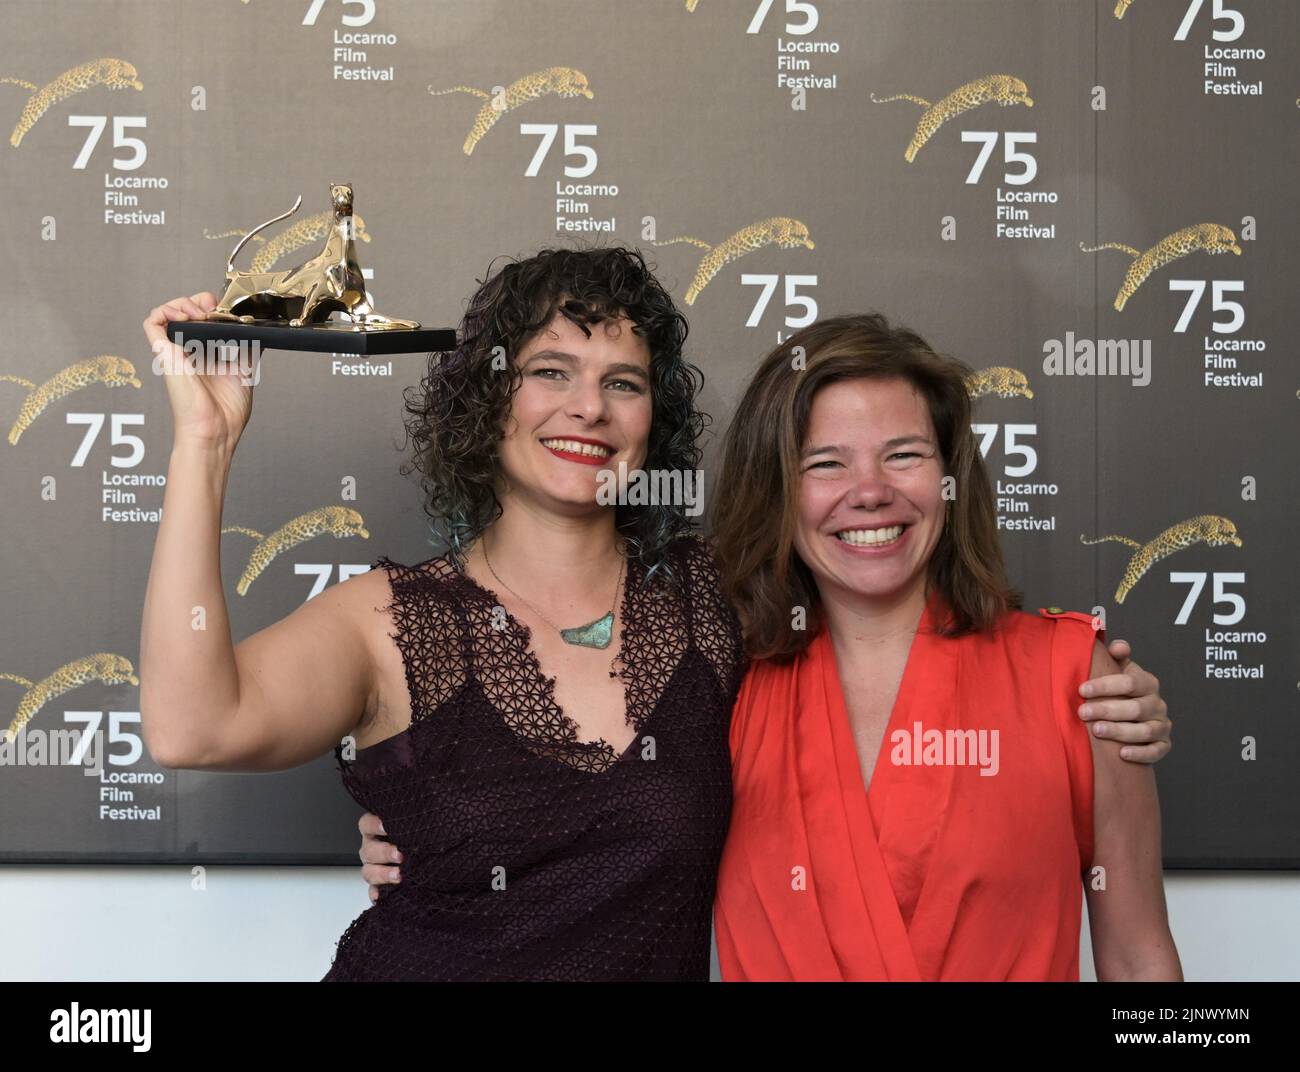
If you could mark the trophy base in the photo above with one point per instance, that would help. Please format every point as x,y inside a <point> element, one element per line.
<point>330,338</point>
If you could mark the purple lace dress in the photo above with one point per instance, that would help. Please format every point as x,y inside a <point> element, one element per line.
<point>530,855</point>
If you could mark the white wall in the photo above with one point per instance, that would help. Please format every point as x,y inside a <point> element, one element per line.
<point>269,923</point>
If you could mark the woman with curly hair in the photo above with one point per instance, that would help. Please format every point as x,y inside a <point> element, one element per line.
<point>560,799</point>
<point>540,713</point>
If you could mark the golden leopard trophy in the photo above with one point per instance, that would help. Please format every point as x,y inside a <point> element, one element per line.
<point>309,294</point>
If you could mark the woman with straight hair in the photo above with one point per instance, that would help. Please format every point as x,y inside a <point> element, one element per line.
<point>914,797</point>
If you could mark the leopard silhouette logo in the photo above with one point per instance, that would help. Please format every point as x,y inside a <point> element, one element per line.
<point>1001,89</point>
<point>102,666</point>
<point>1213,238</point>
<point>337,521</point>
<point>559,81</point>
<point>780,231</point>
<point>107,369</point>
<point>1210,529</point>
<point>998,380</point>
<point>107,72</point>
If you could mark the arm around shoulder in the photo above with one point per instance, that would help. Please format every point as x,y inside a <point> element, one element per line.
<point>1126,900</point>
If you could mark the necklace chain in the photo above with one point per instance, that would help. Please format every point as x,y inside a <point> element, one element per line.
<point>617,584</point>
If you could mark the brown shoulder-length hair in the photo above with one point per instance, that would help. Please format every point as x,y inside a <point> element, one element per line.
<point>756,498</point>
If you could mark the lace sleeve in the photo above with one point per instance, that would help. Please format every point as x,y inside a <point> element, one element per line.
<point>428,631</point>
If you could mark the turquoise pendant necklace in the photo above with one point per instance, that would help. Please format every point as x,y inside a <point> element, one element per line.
<point>595,634</point>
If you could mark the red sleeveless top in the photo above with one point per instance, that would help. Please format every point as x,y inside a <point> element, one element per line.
<point>963,861</point>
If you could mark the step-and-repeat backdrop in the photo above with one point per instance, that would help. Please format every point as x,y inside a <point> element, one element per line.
<point>1091,203</point>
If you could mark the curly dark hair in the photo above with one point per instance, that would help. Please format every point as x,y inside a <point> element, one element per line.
<point>457,414</point>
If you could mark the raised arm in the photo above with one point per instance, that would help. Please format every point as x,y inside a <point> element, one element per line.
<point>1128,919</point>
<point>288,693</point>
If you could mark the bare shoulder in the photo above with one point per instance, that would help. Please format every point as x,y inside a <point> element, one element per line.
<point>353,601</point>
<point>1102,661</point>
<point>311,677</point>
<point>363,602</point>
<point>1118,781</point>
<point>370,586</point>
<point>343,617</point>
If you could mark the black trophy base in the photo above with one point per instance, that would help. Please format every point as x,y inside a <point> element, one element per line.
<point>318,338</point>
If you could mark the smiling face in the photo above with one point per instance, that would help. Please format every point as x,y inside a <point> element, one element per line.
<point>582,405</point>
<point>870,509</point>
